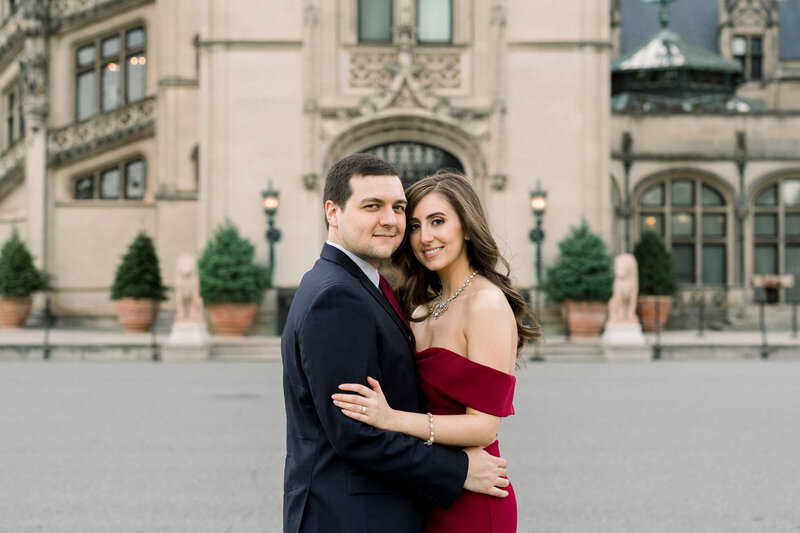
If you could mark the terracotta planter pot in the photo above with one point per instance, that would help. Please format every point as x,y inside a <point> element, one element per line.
<point>584,319</point>
<point>14,312</point>
<point>647,311</point>
<point>136,316</point>
<point>231,320</point>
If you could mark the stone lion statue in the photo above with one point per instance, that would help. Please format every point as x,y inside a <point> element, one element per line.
<point>622,306</point>
<point>188,304</point>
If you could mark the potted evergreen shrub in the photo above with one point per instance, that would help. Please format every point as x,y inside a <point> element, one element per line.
<point>138,289</point>
<point>581,280</point>
<point>19,278</point>
<point>231,285</point>
<point>657,282</point>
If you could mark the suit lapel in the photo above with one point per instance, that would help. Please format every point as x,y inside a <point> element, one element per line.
<point>337,256</point>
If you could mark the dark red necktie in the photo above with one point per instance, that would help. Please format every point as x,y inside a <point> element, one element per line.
<point>387,291</point>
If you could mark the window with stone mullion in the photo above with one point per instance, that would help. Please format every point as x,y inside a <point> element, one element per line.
<point>692,218</point>
<point>776,232</point>
<point>123,181</point>
<point>749,51</point>
<point>110,71</point>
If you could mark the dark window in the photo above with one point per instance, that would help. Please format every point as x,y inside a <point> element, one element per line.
<point>10,131</point>
<point>84,188</point>
<point>748,50</point>
<point>126,180</point>
<point>375,20</point>
<point>416,160</point>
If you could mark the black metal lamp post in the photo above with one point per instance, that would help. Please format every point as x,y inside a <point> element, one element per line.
<point>271,203</point>
<point>538,206</point>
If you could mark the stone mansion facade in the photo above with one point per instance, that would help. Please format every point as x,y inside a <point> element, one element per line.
<point>170,116</point>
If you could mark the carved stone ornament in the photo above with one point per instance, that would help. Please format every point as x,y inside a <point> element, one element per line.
<point>188,303</point>
<point>752,13</point>
<point>498,182</point>
<point>498,14</point>
<point>311,13</point>
<point>749,18</point>
<point>310,181</point>
<point>622,306</point>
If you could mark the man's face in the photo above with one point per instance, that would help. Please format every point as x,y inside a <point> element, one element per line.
<point>372,222</point>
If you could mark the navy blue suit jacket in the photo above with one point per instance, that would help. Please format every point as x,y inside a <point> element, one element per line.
<point>341,475</point>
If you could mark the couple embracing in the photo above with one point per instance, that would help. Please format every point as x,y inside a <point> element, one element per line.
<point>393,401</point>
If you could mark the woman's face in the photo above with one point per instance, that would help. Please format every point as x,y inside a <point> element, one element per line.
<point>435,233</point>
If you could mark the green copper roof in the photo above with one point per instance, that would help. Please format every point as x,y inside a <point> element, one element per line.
<point>666,50</point>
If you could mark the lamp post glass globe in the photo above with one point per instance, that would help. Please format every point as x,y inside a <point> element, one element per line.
<point>271,203</point>
<point>538,200</point>
<point>271,200</point>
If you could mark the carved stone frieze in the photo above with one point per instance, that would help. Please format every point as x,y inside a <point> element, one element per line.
<point>441,70</point>
<point>436,70</point>
<point>369,70</point>
<point>103,131</point>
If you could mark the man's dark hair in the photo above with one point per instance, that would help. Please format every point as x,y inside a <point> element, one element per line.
<point>337,184</point>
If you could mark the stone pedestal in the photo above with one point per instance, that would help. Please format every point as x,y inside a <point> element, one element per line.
<point>188,341</point>
<point>625,342</point>
<point>188,334</point>
<point>185,352</point>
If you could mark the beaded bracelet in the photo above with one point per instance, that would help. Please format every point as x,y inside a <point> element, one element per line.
<point>430,440</point>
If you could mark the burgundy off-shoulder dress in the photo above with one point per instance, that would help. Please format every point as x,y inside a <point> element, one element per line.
<point>452,383</point>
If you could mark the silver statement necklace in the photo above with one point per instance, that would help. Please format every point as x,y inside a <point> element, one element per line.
<point>439,307</point>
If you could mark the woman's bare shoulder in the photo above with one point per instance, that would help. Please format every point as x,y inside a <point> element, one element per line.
<point>487,298</point>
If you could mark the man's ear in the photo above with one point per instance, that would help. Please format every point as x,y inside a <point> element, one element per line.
<point>332,213</point>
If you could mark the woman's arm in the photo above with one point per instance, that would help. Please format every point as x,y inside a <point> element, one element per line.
<point>490,329</point>
<point>369,405</point>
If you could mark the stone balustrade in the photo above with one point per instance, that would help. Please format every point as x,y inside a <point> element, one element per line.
<point>73,11</point>
<point>11,30</point>
<point>102,131</point>
<point>12,162</point>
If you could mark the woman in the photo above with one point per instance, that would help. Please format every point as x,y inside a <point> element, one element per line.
<point>468,324</point>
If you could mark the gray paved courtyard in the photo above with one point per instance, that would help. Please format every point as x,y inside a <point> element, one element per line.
<point>153,447</point>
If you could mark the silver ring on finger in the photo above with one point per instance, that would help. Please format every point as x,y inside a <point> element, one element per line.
<point>363,410</point>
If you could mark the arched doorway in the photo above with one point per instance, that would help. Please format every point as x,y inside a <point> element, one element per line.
<point>415,160</point>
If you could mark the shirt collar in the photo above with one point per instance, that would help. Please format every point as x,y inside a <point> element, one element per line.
<point>370,271</point>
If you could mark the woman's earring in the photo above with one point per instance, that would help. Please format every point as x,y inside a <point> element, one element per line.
<point>466,237</point>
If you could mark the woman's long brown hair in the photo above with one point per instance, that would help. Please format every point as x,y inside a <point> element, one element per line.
<point>419,285</point>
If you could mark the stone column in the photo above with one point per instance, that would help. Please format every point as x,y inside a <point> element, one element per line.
<point>33,67</point>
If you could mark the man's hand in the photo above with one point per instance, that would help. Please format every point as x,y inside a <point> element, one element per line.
<point>486,474</point>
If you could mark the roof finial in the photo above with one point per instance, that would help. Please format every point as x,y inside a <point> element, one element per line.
<point>663,13</point>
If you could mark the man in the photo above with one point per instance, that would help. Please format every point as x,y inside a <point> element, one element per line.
<point>341,475</point>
